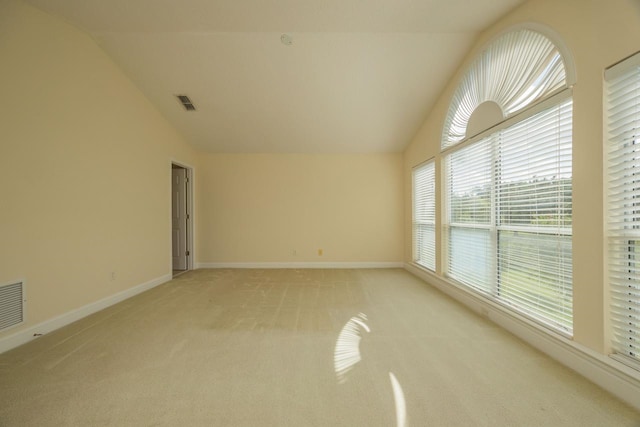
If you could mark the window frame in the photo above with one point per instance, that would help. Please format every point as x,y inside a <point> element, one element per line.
<point>494,227</point>
<point>545,77</point>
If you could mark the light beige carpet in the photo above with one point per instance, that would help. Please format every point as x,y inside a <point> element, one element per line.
<point>293,348</point>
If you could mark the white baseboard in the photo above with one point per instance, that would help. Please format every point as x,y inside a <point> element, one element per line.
<point>31,333</point>
<point>300,265</point>
<point>613,376</point>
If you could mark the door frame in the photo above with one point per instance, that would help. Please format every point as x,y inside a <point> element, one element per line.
<point>190,211</point>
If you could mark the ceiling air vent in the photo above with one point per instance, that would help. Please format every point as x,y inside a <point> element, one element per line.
<point>186,102</point>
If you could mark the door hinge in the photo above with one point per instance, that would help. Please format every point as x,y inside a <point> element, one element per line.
<point>187,253</point>
<point>188,216</point>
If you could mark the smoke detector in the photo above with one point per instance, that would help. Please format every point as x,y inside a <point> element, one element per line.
<point>286,39</point>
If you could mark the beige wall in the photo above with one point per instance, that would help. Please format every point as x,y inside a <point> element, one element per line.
<point>598,33</point>
<point>261,207</point>
<point>84,167</point>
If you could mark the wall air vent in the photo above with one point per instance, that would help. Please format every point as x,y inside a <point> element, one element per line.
<point>11,305</point>
<point>186,102</point>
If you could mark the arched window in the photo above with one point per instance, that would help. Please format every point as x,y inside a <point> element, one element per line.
<point>507,144</point>
<point>517,70</point>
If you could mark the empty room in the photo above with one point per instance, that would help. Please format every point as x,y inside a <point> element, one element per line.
<point>319,213</point>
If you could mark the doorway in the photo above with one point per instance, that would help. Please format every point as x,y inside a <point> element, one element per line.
<point>181,219</point>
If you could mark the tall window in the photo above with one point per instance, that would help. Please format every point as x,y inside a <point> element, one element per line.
<point>424,215</point>
<point>508,179</point>
<point>623,177</point>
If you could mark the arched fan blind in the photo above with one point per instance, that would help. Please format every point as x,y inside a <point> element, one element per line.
<point>516,71</point>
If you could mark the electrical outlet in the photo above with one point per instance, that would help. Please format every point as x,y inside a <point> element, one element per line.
<point>112,276</point>
<point>294,252</point>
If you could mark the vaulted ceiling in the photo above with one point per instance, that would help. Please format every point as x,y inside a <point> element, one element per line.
<point>357,76</point>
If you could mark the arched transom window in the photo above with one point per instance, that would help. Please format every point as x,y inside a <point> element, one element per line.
<point>517,70</point>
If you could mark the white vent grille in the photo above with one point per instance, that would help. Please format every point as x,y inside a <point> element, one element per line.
<point>11,305</point>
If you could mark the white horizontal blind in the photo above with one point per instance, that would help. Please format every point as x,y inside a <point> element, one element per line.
<point>424,215</point>
<point>509,216</point>
<point>534,216</point>
<point>469,197</point>
<point>623,177</point>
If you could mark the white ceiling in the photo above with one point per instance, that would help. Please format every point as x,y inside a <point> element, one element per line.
<point>360,76</point>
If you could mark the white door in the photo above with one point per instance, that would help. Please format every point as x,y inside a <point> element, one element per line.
<point>179,218</point>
